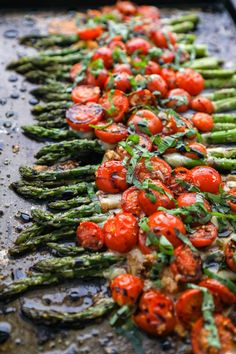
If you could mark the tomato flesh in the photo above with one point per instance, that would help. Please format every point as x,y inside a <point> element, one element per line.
<point>207,179</point>
<point>115,104</point>
<point>203,122</point>
<point>85,93</point>
<point>80,116</point>
<point>146,121</point>
<point>90,236</point>
<point>179,100</point>
<point>112,134</point>
<point>111,177</point>
<point>204,235</point>
<point>202,104</point>
<point>125,289</point>
<point>190,81</point>
<point>129,201</point>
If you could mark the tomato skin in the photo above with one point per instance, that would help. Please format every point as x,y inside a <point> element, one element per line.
<point>230,251</point>
<point>85,93</point>
<point>160,170</point>
<point>162,200</point>
<point>112,134</point>
<point>80,116</point>
<point>198,147</point>
<point>141,97</point>
<point>202,104</point>
<point>87,34</point>
<point>152,68</point>
<point>120,81</point>
<point>154,124</point>
<point>138,44</point>
<point>142,237</point>
<point>144,142</point>
<point>189,306</point>
<point>129,201</point>
<point>203,122</point>
<point>167,57</point>
<point>206,178</point>
<point>90,236</point>
<point>204,235</point>
<point>105,54</point>
<point>190,80</point>
<point>150,12</point>
<point>180,173</point>
<point>111,177</point>
<point>226,331</point>
<point>122,68</point>
<point>117,99</point>
<point>187,265</point>
<point>162,223</point>
<point>157,83</point>
<point>155,313</point>
<point>175,97</point>
<point>160,38</point>
<point>216,288</point>
<point>121,232</point>
<point>99,80</point>
<point>188,199</point>
<point>169,76</point>
<point>126,289</point>
<point>232,205</point>
<point>126,7</point>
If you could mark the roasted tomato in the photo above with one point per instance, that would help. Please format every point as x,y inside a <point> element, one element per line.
<point>155,314</point>
<point>146,121</point>
<point>187,199</point>
<point>162,223</point>
<point>204,235</point>
<point>189,306</point>
<point>226,331</point>
<point>232,205</point>
<point>129,201</point>
<point>111,177</point>
<point>85,93</point>
<point>230,254</point>
<point>168,56</point>
<point>179,100</point>
<point>121,232</point>
<point>169,76</point>
<point>173,126</point>
<point>126,7</point>
<point>89,33</point>
<point>190,81</point>
<point>142,243</point>
<point>115,104</point>
<point>144,142</point>
<point>162,39</point>
<point>138,45</point>
<point>105,54</point>
<point>150,200</point>
<point>197,151</point>
<point>122,68</point>
<point>203,122</point>
<point>187,266</point>
<point>80,116</point>
<point>216,288</point>
<point>155,168</point>
<point>112,133</point>
<point>157,83</point>
<point>150,12</point>
<point>202,104</point>
<point>126,289</point>
<point>206,178</point>
<point>152,68</point>
<point>98,79</point>
<point>90,236</point>
<point>117,43</point>
<point>141,97</point>
<point>179,174</point>
<point>120,81</point>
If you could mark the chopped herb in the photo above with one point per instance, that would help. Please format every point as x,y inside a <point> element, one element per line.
<point>226,282</point>
<point>143,223</point>
<point>102,127</point>
<point>165,246</point>
<point>185,240</point>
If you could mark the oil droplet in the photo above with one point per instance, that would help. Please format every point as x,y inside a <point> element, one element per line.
<point>5,330</point>
<point>33,101</point>
<point>10,114</point>
<point>29,21</point>
<point>3,101</point>
<point>7,124</point>
<point>15,95</point>
<point>13,78</point>
<point>11,33</point>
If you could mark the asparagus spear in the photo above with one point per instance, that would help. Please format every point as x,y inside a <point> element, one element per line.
<point>221,83</point>
<point>30,232</point>
<point>222,152</point>
<point>199,50</point>
<point>221,137</point>
<point>50,107</point>
<point>217,73</point>
<point>41,133</point>
<point>224,117</point>
<point>203,63</point>
<point>55,123</point>
<point>223,126</point>
<point>61,250</point>
<point>68,204</point>
<point>49,317</point>
<point>182,27</point>
<point>48,117</point>
<point>220,94</point>
<point>224,105</point>
<point>187,38</point>
<point>192,17</point>
<point>44,41</point>
<point>40,76</point>
<point>50,193</point>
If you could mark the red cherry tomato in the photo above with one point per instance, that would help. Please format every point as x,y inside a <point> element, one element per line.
<point>155,313</point>
<point>169,76</point>
<point>150,200</point>
<point>80,116</point>
<point>139,45</point>
<point>126,289</point>
<point>152,68</point>
<point>129,201</point>
<point>126,7</point>
<point>187,266</point>
<point>226,332</point>
<point>189,306</point>
<point>144,142</point>
<point>199,148</point>
<point>105,54</point>
<point>85,93</point>
<point>89,33</point>
<point>141,97</point>
<point>146,121</point>
<point>111,177</point>
<point>157,83</point>
<point>90,236</point>
<point>158,170</point>
<point>206,178</point>
<point>188,199</point>
<point>115,104</point>
<point>232,205</point>
<point>178,99</point>
<point>97,80</point>
<point>230,252</point>
<point>190,81</point>
<point>180,174</point>
<point>150,12</point>
<point>162,223</point>
<point>120,81</point>
<point>167,57</point>
<point>117,44</point>
<point>163,40</point>
<point>142,240</point>
<point>122,68</point>
<point>203,122</point>
<point>204,235</point>
<point>215,287</point>
<point>121,232</point>
<point>172,126</point>
<point>202,104</point>
<point>112,134</point>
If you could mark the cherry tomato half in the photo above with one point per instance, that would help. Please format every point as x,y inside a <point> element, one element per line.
<point>179,100</point>
<point>189,306</point>
<point>80,116</point>
<point>187,199</point>
<point>204,235</point>
<point>150,12</point>
<point>105,54</point>
<point>126,7</point>
<point>85,93</point>
<point>141,97</point>
<point>206,178</point>
<point>190,81</point>
<point>90,236</point>
<point>216,288</point>
<point>111,177</point>
<point>126,289</point>
<point>112,134</point>
<point>155,168</point>
<point>139,45</point>
<point>122,68</point>
<point>203,122</point>
<point>89,33</point>
<point>199,148</point>
<point>157,83</point>
<point>202,104</point>
<point>179,174</point>
<point>120,81</point>
<point>146,121</point>
<point>115,104</point>
<point>129,201</point>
